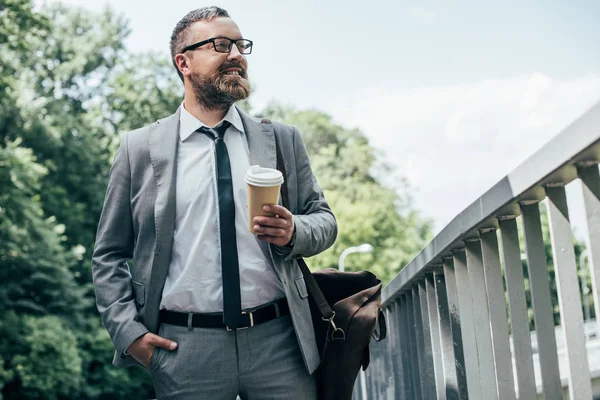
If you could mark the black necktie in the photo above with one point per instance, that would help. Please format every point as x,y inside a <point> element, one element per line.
<point>232,305</point>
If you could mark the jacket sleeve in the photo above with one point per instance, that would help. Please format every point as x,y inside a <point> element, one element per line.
<point>316,227</point>
<point>114,247</point>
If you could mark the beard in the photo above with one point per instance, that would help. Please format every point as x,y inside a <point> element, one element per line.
<point>219,91</point>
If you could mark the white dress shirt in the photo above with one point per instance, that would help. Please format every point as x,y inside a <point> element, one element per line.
<point>194,282</point>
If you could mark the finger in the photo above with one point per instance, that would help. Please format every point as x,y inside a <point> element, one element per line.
<point>268,231</point>
<point>280,210</point>
<point>272,222</point>
<point>161,342</point>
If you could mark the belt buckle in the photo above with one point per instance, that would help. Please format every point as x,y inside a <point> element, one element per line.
<point>251,314</point>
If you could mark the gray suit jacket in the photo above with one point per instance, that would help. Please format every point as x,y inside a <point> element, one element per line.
<point>138,218</point>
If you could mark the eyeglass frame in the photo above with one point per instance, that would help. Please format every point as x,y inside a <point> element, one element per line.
<point>212,40</point>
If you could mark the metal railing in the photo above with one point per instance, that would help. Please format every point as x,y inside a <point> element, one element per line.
<point>458,314</point>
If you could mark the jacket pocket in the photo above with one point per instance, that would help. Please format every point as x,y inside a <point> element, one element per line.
<point>139,292</point>
<point>301,286</point>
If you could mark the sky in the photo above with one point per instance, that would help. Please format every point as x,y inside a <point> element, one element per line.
<point>454,95</point>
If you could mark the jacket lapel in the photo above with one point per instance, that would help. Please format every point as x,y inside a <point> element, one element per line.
<point>163,143</point>
<point>261,141</point>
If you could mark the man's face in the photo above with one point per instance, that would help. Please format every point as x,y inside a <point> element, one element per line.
<point>217,79</point>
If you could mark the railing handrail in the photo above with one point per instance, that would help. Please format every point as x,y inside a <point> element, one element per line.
<point>554,163</point>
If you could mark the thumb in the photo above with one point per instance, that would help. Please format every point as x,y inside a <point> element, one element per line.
<point>161,342</point>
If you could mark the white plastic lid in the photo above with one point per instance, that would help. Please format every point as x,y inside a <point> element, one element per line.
<point>259,176</point>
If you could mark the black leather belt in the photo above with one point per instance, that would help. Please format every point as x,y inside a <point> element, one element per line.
<point>250,318</point>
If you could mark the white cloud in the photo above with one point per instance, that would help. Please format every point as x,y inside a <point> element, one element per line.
<point>422,14</point>
<point>454,142</point>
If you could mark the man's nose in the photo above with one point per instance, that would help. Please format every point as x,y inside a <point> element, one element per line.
<point>234,53</point>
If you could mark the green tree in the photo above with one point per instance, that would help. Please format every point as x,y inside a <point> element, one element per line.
<point>139,90</point>
<point>50,367</point>
<point>18,23</point>
<point>59,85</point>
<point>35,272</point>
<point>54,158</point>
<point>5,376</point>
<point>35,277</point>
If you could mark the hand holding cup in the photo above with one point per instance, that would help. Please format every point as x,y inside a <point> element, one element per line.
<point>278,229</point>
<point>270,221</point>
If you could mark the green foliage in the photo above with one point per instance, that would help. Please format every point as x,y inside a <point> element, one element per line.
<point>50,368</point>
<point>35,266</point>
<point>5,376</point>
<point>55,152</point>
<point>18,25</point>
<point>141,88</point>
<point>58,85</point>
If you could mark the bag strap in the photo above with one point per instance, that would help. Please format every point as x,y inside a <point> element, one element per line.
<point>380,334</point>
<point>311,283</point>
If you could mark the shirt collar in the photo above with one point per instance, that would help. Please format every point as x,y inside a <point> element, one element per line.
<point>188,124</point>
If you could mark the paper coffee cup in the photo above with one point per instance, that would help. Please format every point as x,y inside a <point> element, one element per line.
<point>263,189</point>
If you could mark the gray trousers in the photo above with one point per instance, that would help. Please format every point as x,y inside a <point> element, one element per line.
<point>262,362</point>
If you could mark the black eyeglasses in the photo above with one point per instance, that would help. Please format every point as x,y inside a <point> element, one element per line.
<point>223,45</point>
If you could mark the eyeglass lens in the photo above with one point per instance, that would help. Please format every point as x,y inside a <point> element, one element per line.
<point>223,45</point>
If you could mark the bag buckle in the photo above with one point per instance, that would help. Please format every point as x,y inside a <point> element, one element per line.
<point>337,333</point>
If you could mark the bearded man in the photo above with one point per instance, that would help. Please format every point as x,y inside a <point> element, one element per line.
<point>211,309</point>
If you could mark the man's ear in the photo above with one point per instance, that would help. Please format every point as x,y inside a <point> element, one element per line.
<point>183,64</point>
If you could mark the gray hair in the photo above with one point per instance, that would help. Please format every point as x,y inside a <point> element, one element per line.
<point>179,37</point>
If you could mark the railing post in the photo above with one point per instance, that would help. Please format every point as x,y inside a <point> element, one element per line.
<point>481,319</point>
<point>467,325</point>
<point>590,186</point>
<point>446,335</point>
<point>428,378</point>
<point>391,351</point>
<point>434,327</point>
<point>498,318</point>
<point>517,303</point>
<point>407,347</point>
<point>374,377</point>
<point>569,298</point>
<point>371,388</point>
<point>414,345</point>
<point>542,303</point>
<point>395,338</point>
<point>420,336</point>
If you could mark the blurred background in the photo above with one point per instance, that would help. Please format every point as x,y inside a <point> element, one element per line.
<point>409,111</point>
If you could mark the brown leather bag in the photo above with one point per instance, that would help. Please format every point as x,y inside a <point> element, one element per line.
<point>343,331</point>
<point>343,336</point>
